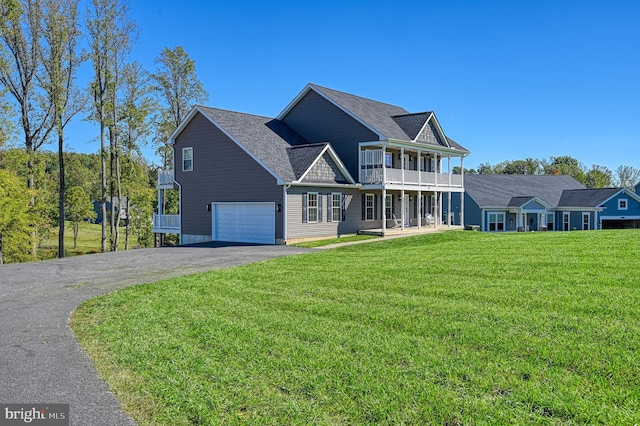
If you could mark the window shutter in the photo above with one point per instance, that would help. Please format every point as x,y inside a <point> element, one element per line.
<point>304,207</point>
<point>343,207</point>
<point>320,197</point>
<point>330,207</point>
<point>364,207</point>
<point>375,206</point>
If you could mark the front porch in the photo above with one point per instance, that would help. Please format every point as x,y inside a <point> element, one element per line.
<point>409,230</point>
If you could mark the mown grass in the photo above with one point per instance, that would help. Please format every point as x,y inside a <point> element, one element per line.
<point>453,328</point>
<point>89,236</point>
<point>330,241</point>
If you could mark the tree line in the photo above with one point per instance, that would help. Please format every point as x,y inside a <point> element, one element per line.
<point>594,177</point>
<point>39,96</point>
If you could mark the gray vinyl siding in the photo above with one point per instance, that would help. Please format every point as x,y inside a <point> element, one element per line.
<point>222,172</point>
<point>318,120</point>
<point>353,214</point>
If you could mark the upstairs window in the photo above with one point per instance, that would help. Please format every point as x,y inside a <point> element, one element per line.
<point>187,159</point>
<point>622,204</point>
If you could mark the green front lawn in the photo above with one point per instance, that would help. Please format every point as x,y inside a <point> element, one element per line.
<point>445,329</point>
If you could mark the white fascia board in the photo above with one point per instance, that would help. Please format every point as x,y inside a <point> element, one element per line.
<point>426,148</point>
<point>627,192</point>
<point>538,200</point>
<point>438,128</point>
<point>325,185</point>
<point>279,180</point>
<point>180,128</point>
<point>636,217</point>
<point>309,87</point>
<point>578,209</point>
<point>335,158</point>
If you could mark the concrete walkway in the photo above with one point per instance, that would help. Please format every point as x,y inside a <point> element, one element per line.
<point>40,360</point>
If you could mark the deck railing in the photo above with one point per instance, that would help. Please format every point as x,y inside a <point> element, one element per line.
<point>411,177</point>
<point>167,223</point>
<point>165,177</point>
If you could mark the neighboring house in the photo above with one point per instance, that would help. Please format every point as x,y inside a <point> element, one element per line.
<point>527,203</point>
<point>97,208</point>
<point>330,164</point>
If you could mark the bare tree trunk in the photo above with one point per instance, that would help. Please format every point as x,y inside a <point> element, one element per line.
<point>103,201</point>
<point>61,197</point>
<point>128,228</point>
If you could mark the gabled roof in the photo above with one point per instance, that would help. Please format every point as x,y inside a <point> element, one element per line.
<point>588,197</point>
<point>274,145</point>
<point>519,201</point>
<point>386,120</point>
<point>500,190</point>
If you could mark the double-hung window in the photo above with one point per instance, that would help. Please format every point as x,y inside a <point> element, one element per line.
<point>369,206</point>
<point>496,221</point>
<point>336,207</point>
<point>187,159</point>
<point>312,207</point>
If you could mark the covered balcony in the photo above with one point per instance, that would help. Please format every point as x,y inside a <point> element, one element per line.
<point>404,168</point>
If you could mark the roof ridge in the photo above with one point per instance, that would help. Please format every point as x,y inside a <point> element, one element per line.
<point>236,112</point>
<point>355,96</point>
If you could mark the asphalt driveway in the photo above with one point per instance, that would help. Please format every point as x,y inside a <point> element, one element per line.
<point>40,360</point>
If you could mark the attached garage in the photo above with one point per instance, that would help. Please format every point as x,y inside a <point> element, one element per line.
<point>244,222</point>
<point>620,222</point>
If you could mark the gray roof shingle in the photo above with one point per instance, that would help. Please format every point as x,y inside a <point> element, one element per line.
<point>499,190</point>
<point>302,156</point>
<point>391,121</point>
<point>587,197</point>
<point>266,138</point>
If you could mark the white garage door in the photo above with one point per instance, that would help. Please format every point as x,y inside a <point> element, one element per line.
<point>244,222</point>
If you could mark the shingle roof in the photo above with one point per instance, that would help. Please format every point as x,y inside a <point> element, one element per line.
<point>393,122</point>
<point>411,124</point>
<point>519,201</point>
<point>267,139</point>
<point>587,197</point>
<point>302,156</point>
<point>499,190</point>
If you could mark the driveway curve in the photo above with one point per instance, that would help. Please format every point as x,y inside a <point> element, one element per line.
<point>40,359</point>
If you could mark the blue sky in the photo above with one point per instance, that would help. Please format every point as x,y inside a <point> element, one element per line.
<point>507,79</point>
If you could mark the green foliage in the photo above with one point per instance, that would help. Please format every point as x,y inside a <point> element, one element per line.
<point>15,218</point>
<point>78,208</point>
<point>598,177</point>
<point>142,208</point>
<point>452,328</point>
<point>179,89</point>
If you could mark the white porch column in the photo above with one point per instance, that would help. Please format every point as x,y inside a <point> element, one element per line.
<point>462,208</point>
<point>435,162</point>
<point>384,210</point>
<point>419,214</point>
<point>437,210</point>
<point>449,170</point>
<point>449,205</point>
<point>384,163</point>
<point>419,167</point>
<point>402,166</point>
<point>402,218</point>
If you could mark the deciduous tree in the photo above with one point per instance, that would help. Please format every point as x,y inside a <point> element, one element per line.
<point>79,208</point>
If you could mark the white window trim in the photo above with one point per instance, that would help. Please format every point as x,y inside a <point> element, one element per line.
<point>588,216</point>
<point>187,149</point>
<point>334,207</point>
<point>310,207</point>
<point>497,215</point>
<point>566,220</point>
<point>626,203</point>
<point>366,207</point>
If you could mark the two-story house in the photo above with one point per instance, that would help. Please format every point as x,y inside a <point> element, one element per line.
<point>329,164</point>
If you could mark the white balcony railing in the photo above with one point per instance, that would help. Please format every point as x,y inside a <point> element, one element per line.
<point>165,177</point>
<point>411,177</point>
<point>167,223</point>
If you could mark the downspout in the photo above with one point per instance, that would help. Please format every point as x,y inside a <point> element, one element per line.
<point>284,212</point>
